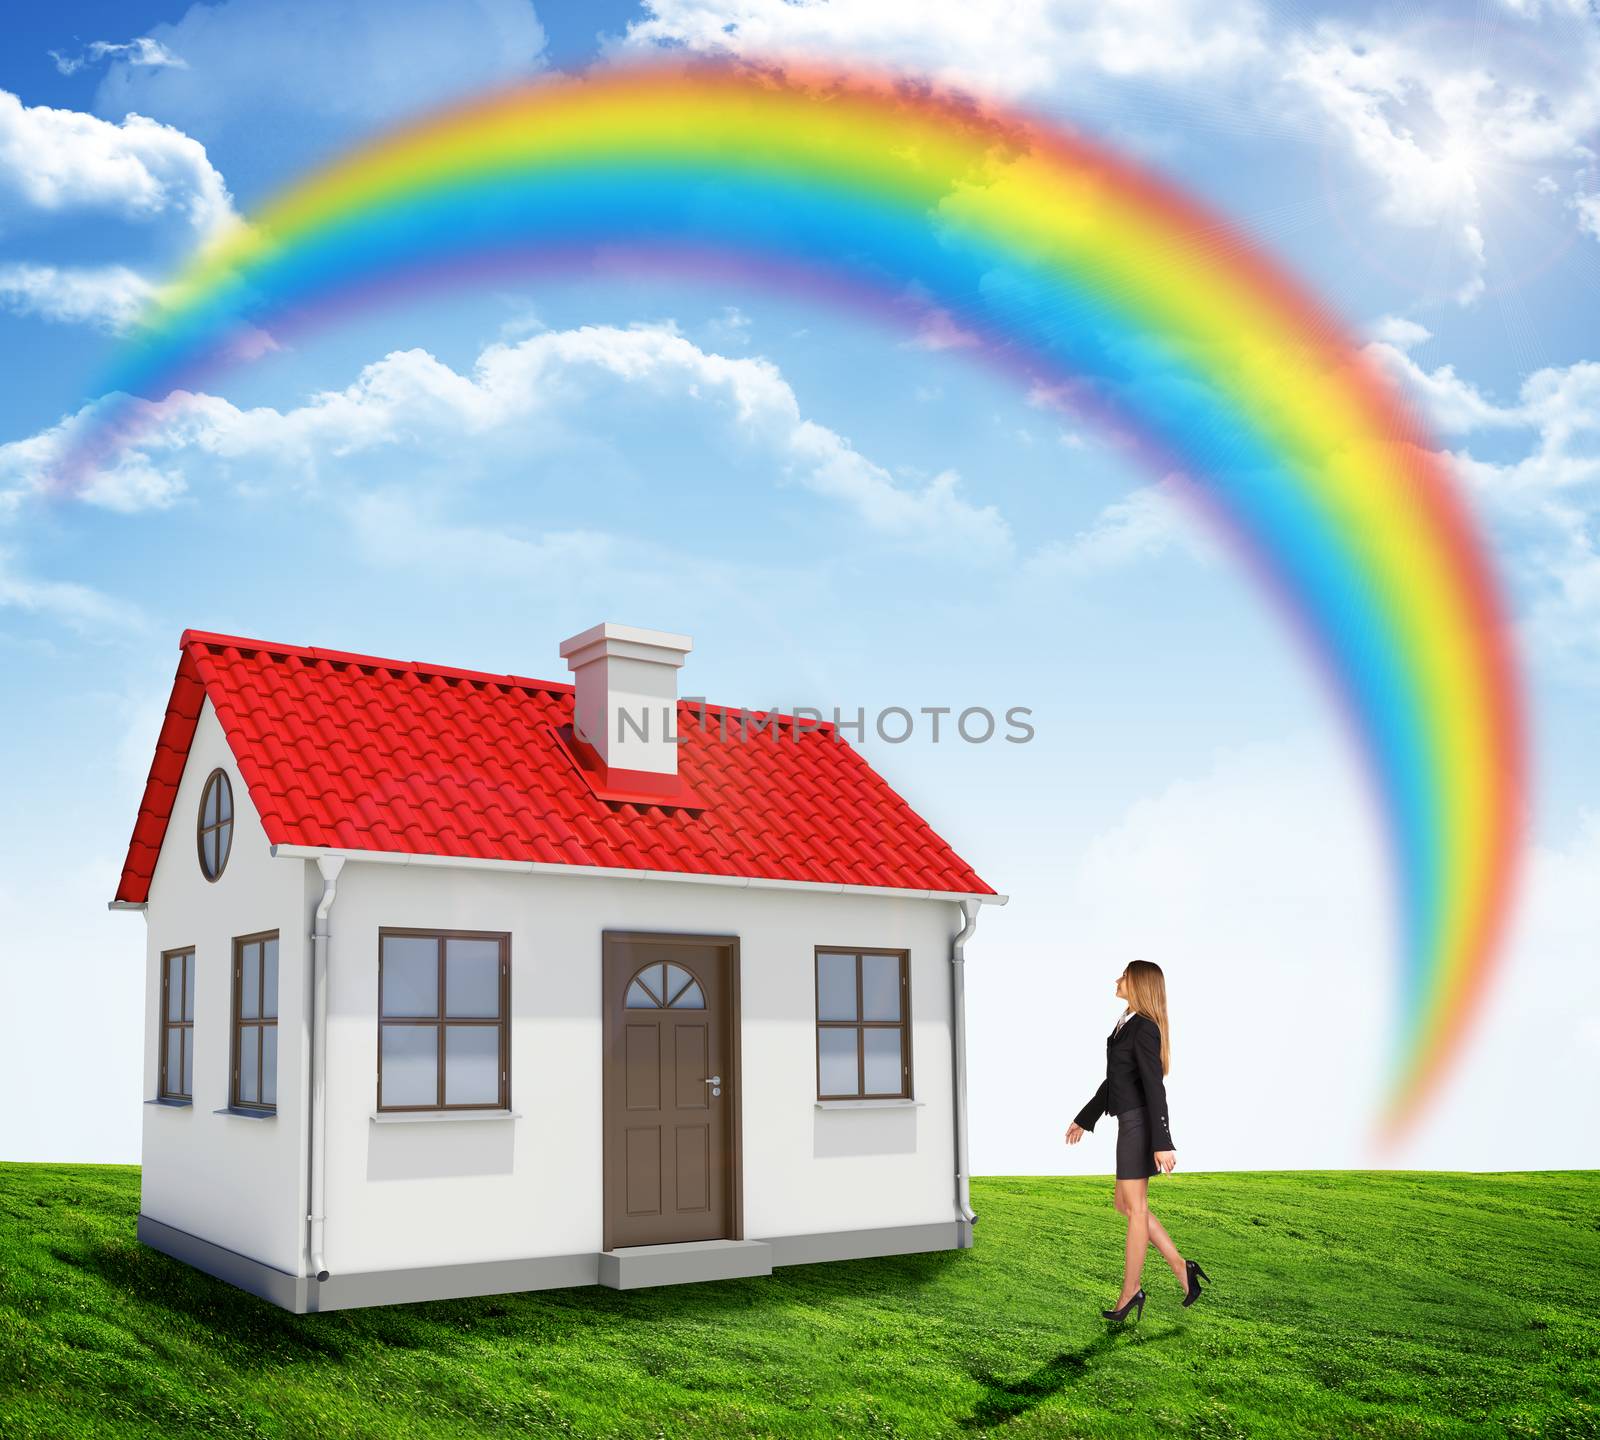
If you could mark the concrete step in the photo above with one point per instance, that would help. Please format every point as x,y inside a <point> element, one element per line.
<point>633,1267</point>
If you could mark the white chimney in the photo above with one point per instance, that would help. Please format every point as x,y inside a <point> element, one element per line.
<point>627,694</point>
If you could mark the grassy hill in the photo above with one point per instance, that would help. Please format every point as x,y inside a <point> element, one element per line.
<point>1344,1304</point>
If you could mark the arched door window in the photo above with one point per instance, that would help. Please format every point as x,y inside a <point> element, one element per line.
<point>664,986</point>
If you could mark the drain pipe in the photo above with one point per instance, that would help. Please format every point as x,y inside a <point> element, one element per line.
<point>958,1050</point>
<point>330,866</point>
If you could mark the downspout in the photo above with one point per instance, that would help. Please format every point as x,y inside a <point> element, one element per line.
<point>958,1052</point>
<point>330,866</point>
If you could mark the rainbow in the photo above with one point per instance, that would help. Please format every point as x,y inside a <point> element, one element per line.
<point>1090,278</point>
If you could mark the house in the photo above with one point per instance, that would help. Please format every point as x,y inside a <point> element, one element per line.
<point>461,984</point>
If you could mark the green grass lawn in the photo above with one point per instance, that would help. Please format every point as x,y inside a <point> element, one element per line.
<point>1343,1303</point>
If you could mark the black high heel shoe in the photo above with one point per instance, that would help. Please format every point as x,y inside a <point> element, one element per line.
<point>1193,1267</point>
<point>1122,1314</point>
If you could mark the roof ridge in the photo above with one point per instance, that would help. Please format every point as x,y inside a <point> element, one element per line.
<point>377,662</point>
<point>423,669</point>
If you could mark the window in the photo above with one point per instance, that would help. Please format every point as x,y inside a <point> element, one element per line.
<point>664,986</point>
<point>177,1025</point>
<point>863,1041</point>
<point>215,834</point>
<point>255,1023</point>
<point>443,1007</point>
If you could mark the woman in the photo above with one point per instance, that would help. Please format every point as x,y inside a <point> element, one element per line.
<point>1136,1059</point>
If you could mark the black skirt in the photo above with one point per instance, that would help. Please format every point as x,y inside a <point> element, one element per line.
<point>1135,1158</point>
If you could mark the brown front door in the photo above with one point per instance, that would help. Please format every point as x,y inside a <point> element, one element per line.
<point>667,1088</point>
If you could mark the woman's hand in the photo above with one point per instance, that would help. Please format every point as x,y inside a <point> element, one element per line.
<point>1075,1133</point>
<point>1166,1161</point>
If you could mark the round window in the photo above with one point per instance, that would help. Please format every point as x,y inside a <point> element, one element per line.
<point>216,824</point>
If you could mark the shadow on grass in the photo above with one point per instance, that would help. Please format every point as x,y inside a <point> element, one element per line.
<point>1004,1400</point>
<point>192,1298</point>
<point>255,1333</point>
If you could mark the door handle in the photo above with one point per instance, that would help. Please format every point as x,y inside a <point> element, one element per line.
<point>715,1082</point>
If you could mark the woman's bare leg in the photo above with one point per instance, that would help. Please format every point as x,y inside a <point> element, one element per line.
<point>1169,1252</point>
<point>1133,1196</point>
<point>1132,1202</point>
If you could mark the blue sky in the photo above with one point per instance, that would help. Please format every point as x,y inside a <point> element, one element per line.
<point>839,515</point>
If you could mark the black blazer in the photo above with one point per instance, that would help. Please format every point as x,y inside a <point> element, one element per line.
<point>1133,1077</point>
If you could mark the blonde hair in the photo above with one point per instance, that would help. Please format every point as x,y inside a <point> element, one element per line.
<point>1147,995</point>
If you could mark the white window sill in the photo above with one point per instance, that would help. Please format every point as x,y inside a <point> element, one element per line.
<point>244,1114</point>
<point>435,1117</point>
<point>869,1104</point>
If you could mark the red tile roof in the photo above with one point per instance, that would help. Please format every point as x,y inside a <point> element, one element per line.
<point>355,752</point>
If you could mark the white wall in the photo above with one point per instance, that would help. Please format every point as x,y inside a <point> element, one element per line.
<point>449,1192</point>
<point>238,1182</point>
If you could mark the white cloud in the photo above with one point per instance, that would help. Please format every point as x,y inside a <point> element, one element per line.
<point>126,484</point>
<point>1360,82</point>
<point>1150,522</point>
<point>1560,403</point>
<point>1450,137</point>
<point>143,51</point>
<point>1545,508</point>
<point>132,484</point>
<point>938,330</point>
<point>1476,252</point>
<point>109,296</point>
<point>1454,405</point>
<point>411,399</point>
<point>1563,402</point>
<point>1023,48</point>
<point>1401,333</point>
<point>1541,507</point>
<point>289,80</point>
<point>730,327</point>
<point>144,191</point>
<point>85,610</point>
<point>1588,208</point>
<point>61,160</point>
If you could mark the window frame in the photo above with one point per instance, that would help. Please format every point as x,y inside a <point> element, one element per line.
<point>861,1026</point>
<point>440,1020</point>
<point>237,1024</point>
<point>671,1003</point>
<point>222,827</point>
<point>165,1091</point>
